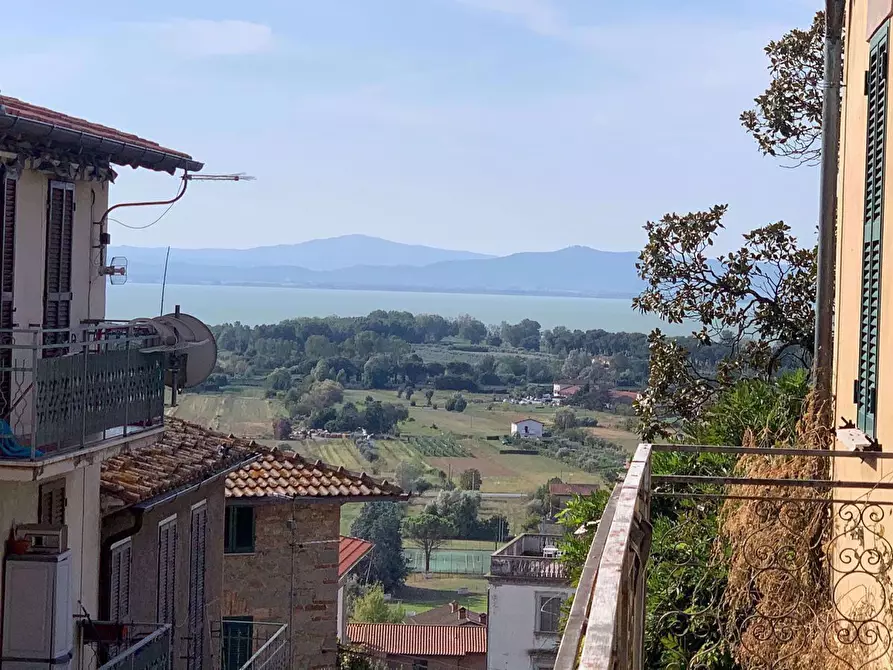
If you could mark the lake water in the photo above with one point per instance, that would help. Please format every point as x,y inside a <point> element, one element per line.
<point>253,305</point>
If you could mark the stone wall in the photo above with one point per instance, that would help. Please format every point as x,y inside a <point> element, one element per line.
<point>292,577</point>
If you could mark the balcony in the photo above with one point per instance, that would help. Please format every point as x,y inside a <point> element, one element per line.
<point>253,645</point>
<point>523,559</point>
<point>795,571</point>
<point>135,646</point>
<point>62,391</point>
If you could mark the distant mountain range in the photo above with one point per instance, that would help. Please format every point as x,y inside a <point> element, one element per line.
<point>368,263</point>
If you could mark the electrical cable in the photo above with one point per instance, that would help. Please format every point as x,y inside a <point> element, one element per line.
<point>148,225</point>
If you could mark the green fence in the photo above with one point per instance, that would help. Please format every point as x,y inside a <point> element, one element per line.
<point>450,561</point>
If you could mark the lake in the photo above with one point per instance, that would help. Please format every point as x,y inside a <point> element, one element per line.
<point>253,305</point>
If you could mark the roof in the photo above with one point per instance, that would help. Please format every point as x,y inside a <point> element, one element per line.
<point>286,474</point>
<point>350,551</point>
<point>185,455</point>
<point>562,489</point>
<point>447,615</point>
<point>401,640</point>
<point>22,119</point>
<point>528,419</point>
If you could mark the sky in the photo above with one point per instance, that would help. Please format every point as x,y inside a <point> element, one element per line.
<point>495,126</point>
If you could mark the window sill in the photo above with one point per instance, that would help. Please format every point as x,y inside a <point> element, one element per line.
<point>239,553</point>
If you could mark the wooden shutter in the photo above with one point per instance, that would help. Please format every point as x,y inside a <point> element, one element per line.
<point>167,570</point>
<point>119,586</point>
<point>8,201</point>
<point>872,234</point>
<point>51,504</point>
<point>197,541</point>
<point>57,281</point>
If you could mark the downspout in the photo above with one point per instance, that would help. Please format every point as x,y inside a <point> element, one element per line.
<point>105,556</point>
<point>826,261</point>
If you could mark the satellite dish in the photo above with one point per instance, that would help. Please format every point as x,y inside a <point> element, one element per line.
<point>190,345</point>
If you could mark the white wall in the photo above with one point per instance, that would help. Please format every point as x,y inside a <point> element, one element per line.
<point>512,623</point>
<point>534,428</point>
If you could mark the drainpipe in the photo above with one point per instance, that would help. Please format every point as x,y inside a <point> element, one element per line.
<point>827,247</point>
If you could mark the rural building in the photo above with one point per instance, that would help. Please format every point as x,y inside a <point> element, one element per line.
<point>55,175</point>
<point>527,588</point>
<point>351,550</point>
<point>564,493</point>
<point>162,536</point>
<point>450,614</point>
<point>527,428</point>
<point>281,563</point>
<point>423,647</point>
<point>565,390</point>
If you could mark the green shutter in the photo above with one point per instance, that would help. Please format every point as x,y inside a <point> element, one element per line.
<point>872,236</point>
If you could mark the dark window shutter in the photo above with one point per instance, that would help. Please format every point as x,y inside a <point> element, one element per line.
<point>872,236</point>
<point>51,504</point>
<point>197,542</point>
<point>57,282</point>
<point>167,570</point>
<point>8,201</point>
<point>119,591</point>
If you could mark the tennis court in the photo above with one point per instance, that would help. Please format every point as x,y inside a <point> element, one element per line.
<point>450,561</point>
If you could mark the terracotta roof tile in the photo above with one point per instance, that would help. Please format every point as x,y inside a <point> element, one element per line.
<point>186,454</point>
<point>350,551</point>
<point>400,639</point>
<point>284,473</point>
<point>447,615</point>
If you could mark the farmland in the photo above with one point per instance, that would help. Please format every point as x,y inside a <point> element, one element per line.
<point>246,413</point>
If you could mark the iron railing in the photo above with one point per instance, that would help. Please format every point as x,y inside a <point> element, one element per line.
<point>253,645</point>
<point>794,572</point>
<point>522,558</point>
<point>134,646</point>
<point>59,394</point>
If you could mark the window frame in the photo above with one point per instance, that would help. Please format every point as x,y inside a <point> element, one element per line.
<point>47,510</point>
<point>541,600</point>
<point>230,534</point>
<point>228,653</point>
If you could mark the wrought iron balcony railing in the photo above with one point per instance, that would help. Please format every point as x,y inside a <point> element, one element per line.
<point>65,390</point>
<point>786,568</point>
<point>523,558</point>
<point>253,645</point>
<point>134,646</point>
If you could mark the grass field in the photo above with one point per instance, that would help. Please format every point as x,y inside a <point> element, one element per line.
<point>421,594</point>
<point>246,414</point>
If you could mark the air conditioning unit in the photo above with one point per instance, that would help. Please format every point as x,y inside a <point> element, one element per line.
<point>43,538</point>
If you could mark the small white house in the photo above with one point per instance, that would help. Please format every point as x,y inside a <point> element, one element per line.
<point>527,428</point>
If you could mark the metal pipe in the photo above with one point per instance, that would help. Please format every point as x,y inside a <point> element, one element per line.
<point>145,204</point>
<point>826,261</point>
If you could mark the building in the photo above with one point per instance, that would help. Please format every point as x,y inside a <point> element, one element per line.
<point>563,493</point>
<point>162,536</point>
<point>423,647</point>
<point>527,428</point>
<point>57,429</point>
<point>451,614</point>
<point>281,563</point>
<point>564,390</point>
<point>351,550</point>
<point>527,587</point>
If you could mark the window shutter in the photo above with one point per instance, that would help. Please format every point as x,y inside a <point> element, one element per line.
<point>8,195</point>
<point>51,504</point>
<point>119,591</point>
<point>197,542</point>
<point>167,570</point>
<point>57,282</point>
<point>872,235</point>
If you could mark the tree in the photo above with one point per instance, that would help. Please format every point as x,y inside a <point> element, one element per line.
<point>470,479</point>
<point>564,419</point>
<point>471,329</point>
<point>577,360</point>
<point>377,371</point>
<point>281,429</point>
<point>379,522</point>
<point>787,119</point>
<point>406,474</point>
<point>373,608</point>
<point>278,380</point>
<point>755,305</point>
<point>456,403</point>
<point>323,394</point>
<point>428,532</point>
<point>461,508</point>
<point>428,395</point>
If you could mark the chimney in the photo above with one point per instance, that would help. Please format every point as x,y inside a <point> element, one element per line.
<point>483,618</point>
<point>463,614</point>
<point>453,606</point>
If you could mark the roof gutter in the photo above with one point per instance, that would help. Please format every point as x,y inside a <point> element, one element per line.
<point>118,151</point>
<point>152,503</point>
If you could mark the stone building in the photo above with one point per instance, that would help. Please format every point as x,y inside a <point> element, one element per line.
<point>281,548</point>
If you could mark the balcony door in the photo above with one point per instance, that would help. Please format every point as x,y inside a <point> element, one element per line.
<point>57,275</point>
<point>8,194</point>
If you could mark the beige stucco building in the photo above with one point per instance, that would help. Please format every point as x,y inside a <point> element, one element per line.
<point>71,395</point>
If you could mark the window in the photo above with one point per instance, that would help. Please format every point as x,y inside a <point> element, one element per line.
<point>238,632</point>
<point>548,612</point>
<point>51,503</point>
<point>57,278</point>
<point>239,530</point>
<point>865,390</point>
<point>198,532</point>
<point>167,569</point>
<point>119,581</point>
<point>420,664</point>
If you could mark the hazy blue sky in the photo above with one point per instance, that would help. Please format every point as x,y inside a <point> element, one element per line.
<point>491,125</point>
